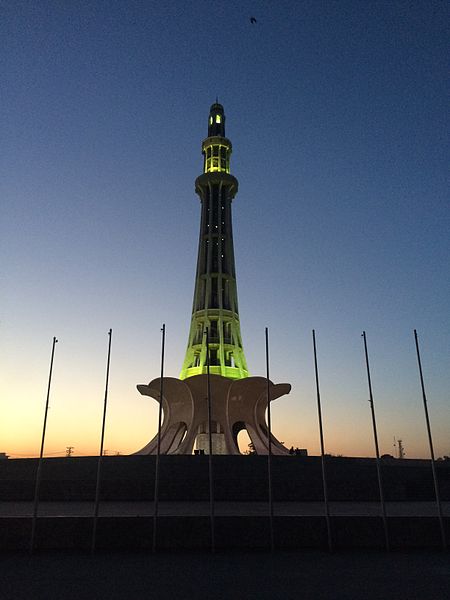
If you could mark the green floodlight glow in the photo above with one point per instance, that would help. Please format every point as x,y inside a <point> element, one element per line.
<point>215,304</point>
<point>216,155</point>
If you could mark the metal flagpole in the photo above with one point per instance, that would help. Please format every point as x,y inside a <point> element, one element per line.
<point>39,468</point>
<point>375,437</point>
<point>158,447</point>
<point>269,435</point>
<point>100,456</point>
<point>430,441</point>
<point>322,448</point>
<point>210,465</point>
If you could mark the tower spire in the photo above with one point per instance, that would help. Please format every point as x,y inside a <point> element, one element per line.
<point>216,122</point>
<point>215,304</point>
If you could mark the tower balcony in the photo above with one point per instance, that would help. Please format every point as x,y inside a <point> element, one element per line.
<point>216,152</point>
<point>228,372</point>
<point>206,179</point>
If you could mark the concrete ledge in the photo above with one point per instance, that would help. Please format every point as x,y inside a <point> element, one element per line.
<point>232,532</point>
<point>241,478</point>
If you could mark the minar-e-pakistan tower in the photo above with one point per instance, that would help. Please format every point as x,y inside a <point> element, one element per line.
<point>237,400</point>
<point>215,297</point>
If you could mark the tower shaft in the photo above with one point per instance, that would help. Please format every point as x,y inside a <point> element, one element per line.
<point>215,305</point>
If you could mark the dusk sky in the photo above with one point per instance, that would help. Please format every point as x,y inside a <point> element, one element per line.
<point>338,115</point>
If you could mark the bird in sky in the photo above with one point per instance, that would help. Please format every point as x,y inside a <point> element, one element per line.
<point>253,20</point>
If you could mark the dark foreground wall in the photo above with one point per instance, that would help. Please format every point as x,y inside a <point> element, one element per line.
<point>185,478</point>
<point>231,532</point>
<point>235,478</point>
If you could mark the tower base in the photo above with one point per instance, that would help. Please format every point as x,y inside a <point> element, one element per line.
<point>235,405</point>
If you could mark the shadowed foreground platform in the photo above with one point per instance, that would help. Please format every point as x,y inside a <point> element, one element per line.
<point>241,507</point>
<point>234,509</point>
<point>261,576</point>
<point>238,525</point>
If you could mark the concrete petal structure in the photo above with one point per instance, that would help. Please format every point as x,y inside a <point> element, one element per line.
<point>235,405</point>
<point>215,343</point>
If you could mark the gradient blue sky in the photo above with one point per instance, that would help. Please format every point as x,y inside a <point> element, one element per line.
<point>338,116</point>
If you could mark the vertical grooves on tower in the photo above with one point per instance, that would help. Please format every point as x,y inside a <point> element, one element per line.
<point>215,297</point>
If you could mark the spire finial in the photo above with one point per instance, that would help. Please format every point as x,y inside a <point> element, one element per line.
<point>216,120</point>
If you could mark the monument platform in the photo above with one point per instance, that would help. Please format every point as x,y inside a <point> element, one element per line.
<point>241,507</point>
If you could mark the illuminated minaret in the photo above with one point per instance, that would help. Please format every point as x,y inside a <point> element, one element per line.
<point>228,400</point>
<point>215,297</point>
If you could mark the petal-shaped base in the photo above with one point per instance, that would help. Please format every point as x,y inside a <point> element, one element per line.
<point>235,405</point>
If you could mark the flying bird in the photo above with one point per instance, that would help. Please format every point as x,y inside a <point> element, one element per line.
<point>253,20</point>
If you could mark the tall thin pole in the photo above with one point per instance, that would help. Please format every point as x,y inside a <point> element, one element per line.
<point>377,451</point>
<point>210,447</point>
<point>100,456</point>
<point>269,436</point>
<point>41,454</point>
<point>322,448</point>
<point>158,447</point>
<point>430,441</point>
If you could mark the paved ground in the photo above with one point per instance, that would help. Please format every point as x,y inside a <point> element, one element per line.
<point>222,508</point>
<point>257,576</point>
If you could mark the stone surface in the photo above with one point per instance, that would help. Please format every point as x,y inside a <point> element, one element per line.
<point>239,575</point>
<point>235,405</point>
